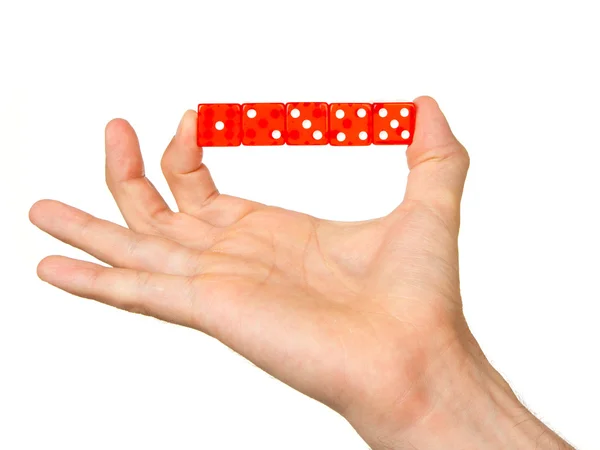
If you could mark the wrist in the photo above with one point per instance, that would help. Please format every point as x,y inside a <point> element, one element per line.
<point>461,402</point>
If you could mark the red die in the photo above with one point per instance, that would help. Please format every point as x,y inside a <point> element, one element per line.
<point>350,124</point>
<point>263,124</point>
<point>306,124</point>
<point>393,123</point>
<point>219,125</point>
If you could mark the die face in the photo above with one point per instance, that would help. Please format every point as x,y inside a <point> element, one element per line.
<point>307,123</point>
<point>263,124</point>
<point>219,125</point>
<point>350,124</point>
<point>393,123</point>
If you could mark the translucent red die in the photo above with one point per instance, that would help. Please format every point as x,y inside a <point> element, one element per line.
<point>393,123</point>
<point>307,123</point>
<point>219,125</point>
<point>350,124</point>
<point>263,124</point>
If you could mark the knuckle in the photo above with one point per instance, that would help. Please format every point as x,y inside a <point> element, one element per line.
<point>136,304</point>
<point>448,152</point>
<point>165,163</point>
<point>142,280</point>
<point>192,263</point>
<point>453,152</point>
<point>86,227</point>
<point>160,215</point>
<point>134,245</point>
<point>462,156</point>
<point>93,278</point>
<point>137,308</point>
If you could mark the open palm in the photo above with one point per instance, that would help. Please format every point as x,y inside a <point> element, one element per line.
<point>353,314</point>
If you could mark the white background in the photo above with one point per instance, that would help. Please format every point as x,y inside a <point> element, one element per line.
<point>518,83</point>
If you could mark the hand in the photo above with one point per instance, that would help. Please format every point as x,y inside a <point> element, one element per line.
<point>365,317</point>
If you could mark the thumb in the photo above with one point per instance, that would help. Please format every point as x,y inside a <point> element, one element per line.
<point>438,164</point>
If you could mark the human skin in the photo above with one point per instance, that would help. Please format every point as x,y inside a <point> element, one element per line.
<point>365,317</point>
